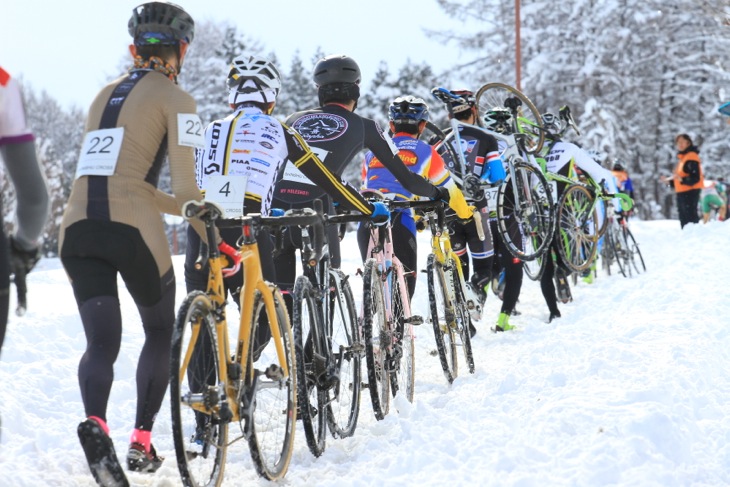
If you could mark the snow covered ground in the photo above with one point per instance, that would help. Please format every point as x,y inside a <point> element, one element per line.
<point>630,387</point>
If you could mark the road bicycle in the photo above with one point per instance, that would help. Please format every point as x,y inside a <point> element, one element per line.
<point>449,305</point>
<point>387,326</point>
<point>223,392</point>
<point>620,248</point>
<point>327,339</point>
<point>522,203</point>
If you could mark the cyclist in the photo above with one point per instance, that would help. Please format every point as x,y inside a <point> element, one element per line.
<point>109,227</point>
<point>560,156</point>
<point>336,134</point>
<point>258,155</point>
<point>483,162</point>
<point>623,181</point>
<point>408,116</point>
<point>499,120</point>
<point>17,148</point>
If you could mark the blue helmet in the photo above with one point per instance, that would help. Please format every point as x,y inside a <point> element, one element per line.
<point>408,109</point>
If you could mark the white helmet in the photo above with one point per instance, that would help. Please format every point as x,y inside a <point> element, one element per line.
<point>252,78</point>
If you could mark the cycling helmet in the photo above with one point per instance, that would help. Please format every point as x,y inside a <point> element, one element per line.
<point>337,78</point>
<point>408,109</point>
<point>252,78</point>
<point>160,23</point>
<point>551,123</point>
<point>465,100</point>
<point>498,120</point>
<point>617,166</point>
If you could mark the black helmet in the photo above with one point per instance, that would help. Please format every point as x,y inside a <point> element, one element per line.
<point>336,68</point>
<point>464,100</point>
<point>160,23</point>
<point>617,166</point>
<point>409,110</point>
<point>337,78</point>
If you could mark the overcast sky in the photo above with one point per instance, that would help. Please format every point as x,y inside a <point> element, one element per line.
<point>71,48</point>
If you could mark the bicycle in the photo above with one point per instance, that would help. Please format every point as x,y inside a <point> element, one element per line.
<point>215,383</point>
<point>524,206</point>
<point>387,325</point>
<point>327,339</point>
<point>621,248</point>
<point>450,310</point>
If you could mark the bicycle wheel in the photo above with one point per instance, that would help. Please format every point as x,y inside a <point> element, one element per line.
<point>463,322</point>
<point>274,403</point>
<point>602,214</point>
<point>525,223</point>
<point>376,338</point>
<point>343,401</point>
<point>576,228</point>
<point>199,424</point>
<point>534,268</point>
<point>615,242</point>
<point>310,365</point>
<point>402,379</point>
<point>529,121</point>
<point>637,260</point>
<point>442,317</point>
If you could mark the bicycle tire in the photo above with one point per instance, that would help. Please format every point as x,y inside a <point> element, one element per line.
<point>343,402</point>
<point>441,136</point>
<point>274,407</point>
<point>529,120</point>
<point>310,364</point>
<point>402,378</point>
<point>614,241</point>
<point>576,228</point>
<point>200,435</point>
<point>602,213</point>
<point>606,253</point>
<point>441,309</point>
<point>463,322</point>
<point>375,337</point>
<point>634,252</point>
<point>530,223</point>
<point>534,268</point>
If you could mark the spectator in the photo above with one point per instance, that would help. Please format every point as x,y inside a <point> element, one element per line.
<point>713,198</point>
<point>687,180</point>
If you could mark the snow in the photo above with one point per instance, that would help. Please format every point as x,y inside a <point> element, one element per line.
<point>630,387</point>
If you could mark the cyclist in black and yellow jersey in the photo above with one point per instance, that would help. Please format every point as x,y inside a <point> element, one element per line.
<point>112,226</point>
<point>337,135</point>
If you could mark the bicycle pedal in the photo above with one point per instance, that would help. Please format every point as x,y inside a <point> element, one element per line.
<point>414,320</point>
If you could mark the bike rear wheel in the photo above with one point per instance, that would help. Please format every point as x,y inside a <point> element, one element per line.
<point>310,365</point>
<point>529,121</point>
<point>376,338</point>
<point>616,243</point>
<point>637,260</point>
<point>442,317</point>
<point>402,376</point>
<point>274,405</point>
<point>343,401</point>
<point>199,426</point>
<point>526,222</point>
<point>576,228</point>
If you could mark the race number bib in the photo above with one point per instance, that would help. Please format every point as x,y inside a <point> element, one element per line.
<point>491,196</point>
<point>100,152</point>
<point>553,185</point>
<point>190,130</point>
<point>228,192</point>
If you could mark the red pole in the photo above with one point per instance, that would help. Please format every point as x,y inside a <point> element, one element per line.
<point>518,61</point>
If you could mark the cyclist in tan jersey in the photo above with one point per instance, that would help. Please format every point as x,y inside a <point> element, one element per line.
<point>112,226</point>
